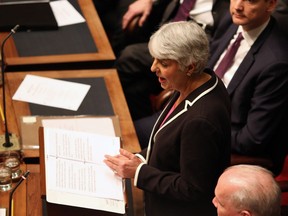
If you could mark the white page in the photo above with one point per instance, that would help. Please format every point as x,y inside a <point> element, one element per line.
<point>65,13</point>
<point>76,174</point>
<point>2,212</point>
<point>51,92</point>
<point>99,125</point>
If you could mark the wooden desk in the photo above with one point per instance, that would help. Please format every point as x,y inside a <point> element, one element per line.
<point>27,197</point>
<point>103,57</point>
<point>129,138</point>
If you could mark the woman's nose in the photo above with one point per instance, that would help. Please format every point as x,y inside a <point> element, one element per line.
<point>153,66</point>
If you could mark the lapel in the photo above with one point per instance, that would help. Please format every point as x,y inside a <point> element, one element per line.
<point>223,44</point>
<point>249,58</point>
<point>183,107</point>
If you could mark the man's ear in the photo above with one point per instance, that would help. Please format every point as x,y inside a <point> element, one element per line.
<point>245,213</point>
<point>272,6</point>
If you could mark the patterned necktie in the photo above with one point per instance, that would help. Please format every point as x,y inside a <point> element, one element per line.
<point>227,60</point>
<point>183,10</point>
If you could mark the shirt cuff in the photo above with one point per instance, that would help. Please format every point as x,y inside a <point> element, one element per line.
<point>137,173</point>
<point>140,157</point>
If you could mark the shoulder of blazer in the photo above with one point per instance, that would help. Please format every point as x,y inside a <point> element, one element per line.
<point>264,35</point>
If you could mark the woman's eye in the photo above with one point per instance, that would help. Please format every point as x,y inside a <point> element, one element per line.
<point>249,1</point>
<point>164,63</point>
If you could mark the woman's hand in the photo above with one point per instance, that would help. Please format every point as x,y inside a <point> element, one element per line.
<point>124,164</point>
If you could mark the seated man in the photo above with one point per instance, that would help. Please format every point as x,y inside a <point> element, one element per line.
<point>247,190</point>
<point>256,80</point>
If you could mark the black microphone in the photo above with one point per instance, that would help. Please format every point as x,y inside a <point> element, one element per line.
<point>7,142</point>
<point>23,177</point>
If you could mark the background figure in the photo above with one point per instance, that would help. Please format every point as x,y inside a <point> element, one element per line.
<point>281,14</point>
<point>257,81</point>
<point>111,13</point>
<point>133,65</point>
<point>190,143</point>
<point>247,190</point>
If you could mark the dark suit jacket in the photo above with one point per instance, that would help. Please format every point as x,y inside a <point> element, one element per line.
<point>259,95</point>
<point>187,154</point>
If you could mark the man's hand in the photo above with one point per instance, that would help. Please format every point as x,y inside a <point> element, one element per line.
<point>140,8</point>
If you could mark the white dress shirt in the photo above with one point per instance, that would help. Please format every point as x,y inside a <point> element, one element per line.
<point>245,45</point>
<point>202,12</point>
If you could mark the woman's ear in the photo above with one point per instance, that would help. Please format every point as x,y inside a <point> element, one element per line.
<point>190,69</point>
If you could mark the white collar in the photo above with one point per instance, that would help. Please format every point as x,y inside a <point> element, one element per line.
<point>251,36</point>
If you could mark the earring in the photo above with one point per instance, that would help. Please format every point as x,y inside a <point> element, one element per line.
<point>188,74</point>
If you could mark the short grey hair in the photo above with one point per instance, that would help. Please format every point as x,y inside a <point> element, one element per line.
<point>184,41</point>
<point>259,192</point>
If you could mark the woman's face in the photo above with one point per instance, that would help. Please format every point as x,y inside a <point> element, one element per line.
<point>169,74</point>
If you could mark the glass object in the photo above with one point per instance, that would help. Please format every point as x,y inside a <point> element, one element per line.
<point>12,160</point>
<point>5,177</point>
<point>13,163</point>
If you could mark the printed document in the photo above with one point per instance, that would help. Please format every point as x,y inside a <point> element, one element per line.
<point>98,125</point>
<point>51,92</point>
<point>76,174</point>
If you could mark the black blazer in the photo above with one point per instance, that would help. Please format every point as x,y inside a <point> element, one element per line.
<point>187,154</point>
<point>259,95</point>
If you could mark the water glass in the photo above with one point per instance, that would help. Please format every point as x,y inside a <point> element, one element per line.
<point>5,177</point>
<point>13,163</point>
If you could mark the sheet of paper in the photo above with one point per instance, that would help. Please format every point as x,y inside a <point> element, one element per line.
<point>76,174</point>
<point>2,212</point>
<point>103,126</point>
<point>65,14</point>
<point>51,92</point>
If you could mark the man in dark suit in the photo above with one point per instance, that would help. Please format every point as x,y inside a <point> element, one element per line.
<point>257,81</point>
<point>133,65</point>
